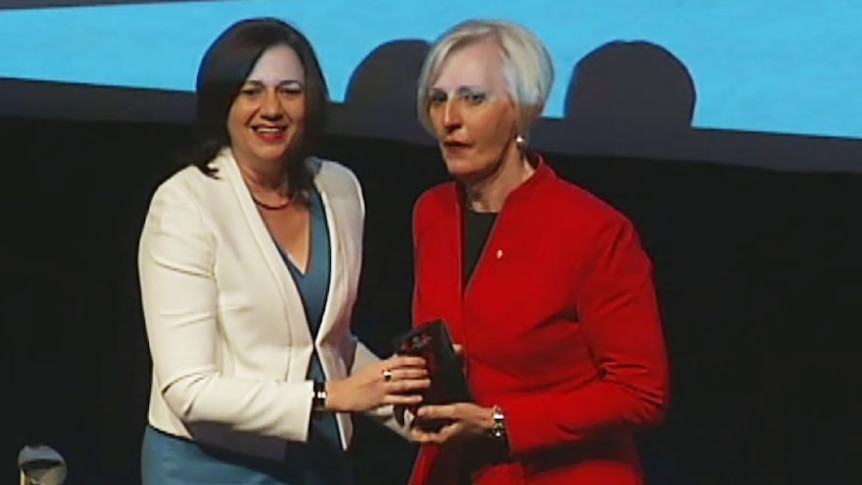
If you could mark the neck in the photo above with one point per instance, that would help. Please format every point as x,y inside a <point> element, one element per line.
<point>490,193</point>
<point>265,177</point>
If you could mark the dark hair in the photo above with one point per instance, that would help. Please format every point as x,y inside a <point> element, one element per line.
<point>223,71</point>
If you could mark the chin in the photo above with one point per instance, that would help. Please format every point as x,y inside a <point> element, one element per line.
<point>273,154</point>
<point>459,167</point>
<point>465,172</point>
<point>271,158</point>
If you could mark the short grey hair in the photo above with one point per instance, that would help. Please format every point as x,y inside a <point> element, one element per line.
<point>527,65</point>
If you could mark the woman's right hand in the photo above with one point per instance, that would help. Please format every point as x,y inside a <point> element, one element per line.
<point>370,388</point>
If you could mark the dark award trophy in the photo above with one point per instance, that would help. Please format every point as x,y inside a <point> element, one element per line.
<point>432,342</point>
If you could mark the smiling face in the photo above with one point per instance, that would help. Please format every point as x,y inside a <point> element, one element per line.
<point>473,115</point>
<point>266,119</point>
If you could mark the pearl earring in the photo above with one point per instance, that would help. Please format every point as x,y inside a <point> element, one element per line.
<point>520,141</point>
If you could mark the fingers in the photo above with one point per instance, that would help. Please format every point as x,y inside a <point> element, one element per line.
<point>406,374</point>
<point>404,369</point>
<point>409,386</point>
<point>423,437</point>
<point>444,434</point>
<point>446,411</point>
<point>407,392</point>
<point>402,379</point>
<point>404,361</point>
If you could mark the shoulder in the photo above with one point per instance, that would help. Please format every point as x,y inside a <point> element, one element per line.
<point>190,198</point>
<point>186,186</point>
<point>435,201</point>
<point>331,171</point>
<point>590,211</point>
<point>432,207</point>
<point>338,182</point>
<point>587,223</point>
<point>332,176</point>
<point>176,218</point>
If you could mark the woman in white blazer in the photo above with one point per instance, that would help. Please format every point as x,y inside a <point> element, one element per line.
<point>249,262</point>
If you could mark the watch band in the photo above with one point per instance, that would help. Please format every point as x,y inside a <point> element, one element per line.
<point>318,399</point>
<point>498,432</point>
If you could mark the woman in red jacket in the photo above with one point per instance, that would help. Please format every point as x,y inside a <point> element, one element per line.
<point>545,287</point>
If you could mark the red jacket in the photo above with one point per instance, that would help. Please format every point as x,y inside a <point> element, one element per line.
<point>560,328</point>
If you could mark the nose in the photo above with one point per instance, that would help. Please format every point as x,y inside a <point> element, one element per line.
<point>271,105</point>
<point>451,116</point>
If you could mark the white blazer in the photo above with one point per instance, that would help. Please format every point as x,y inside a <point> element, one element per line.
<point>228,336</point>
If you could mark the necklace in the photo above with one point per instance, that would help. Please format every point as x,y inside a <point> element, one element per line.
<point>270,207</point>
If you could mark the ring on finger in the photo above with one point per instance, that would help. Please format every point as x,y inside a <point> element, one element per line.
<point>387,375</point>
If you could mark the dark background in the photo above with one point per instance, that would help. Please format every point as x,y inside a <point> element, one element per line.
<point>757,272</point>
<point>755,237</point>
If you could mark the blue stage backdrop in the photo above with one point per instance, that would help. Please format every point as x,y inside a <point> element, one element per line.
<point>775,66</point>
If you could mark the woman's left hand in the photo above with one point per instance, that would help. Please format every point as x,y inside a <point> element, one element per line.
<point>460,421</point>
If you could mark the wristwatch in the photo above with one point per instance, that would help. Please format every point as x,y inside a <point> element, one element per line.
<point>318,397</point>
<point>498,432</point>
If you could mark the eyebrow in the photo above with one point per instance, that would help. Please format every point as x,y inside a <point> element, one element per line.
<point>258,82</point>
<point>464,88</point>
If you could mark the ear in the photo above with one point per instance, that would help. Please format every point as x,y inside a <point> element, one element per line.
<point>527,115</point>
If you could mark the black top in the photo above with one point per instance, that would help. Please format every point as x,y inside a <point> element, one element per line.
<point>477,228</point>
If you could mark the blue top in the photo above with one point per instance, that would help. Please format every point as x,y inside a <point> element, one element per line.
<point>313,288</point>
<point>169,460</point>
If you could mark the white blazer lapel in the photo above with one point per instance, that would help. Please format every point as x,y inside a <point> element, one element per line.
<point>337,290</point>
<point>300,334</point>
